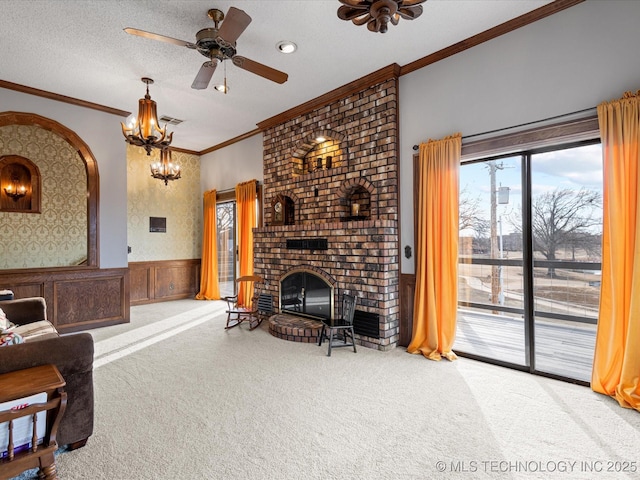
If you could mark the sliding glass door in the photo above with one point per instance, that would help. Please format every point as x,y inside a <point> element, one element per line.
<point>226,220</point>
<point>566,232</point>
<point>529,264</point>
<point>491,276</point>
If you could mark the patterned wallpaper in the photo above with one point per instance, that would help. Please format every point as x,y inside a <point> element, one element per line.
<point>58,235</point>
<point>180,202</point>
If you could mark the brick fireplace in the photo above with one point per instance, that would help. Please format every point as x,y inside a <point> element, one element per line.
<point>337,169</point>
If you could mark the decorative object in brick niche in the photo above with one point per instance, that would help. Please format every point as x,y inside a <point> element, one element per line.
<point>283,211</point>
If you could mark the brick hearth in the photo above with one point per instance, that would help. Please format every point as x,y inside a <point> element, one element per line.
<point>360,132</point>
<point>295,329</point>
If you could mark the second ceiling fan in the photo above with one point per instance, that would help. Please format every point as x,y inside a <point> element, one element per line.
<point>219,44</point>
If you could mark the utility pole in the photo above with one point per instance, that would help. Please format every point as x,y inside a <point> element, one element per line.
<point>495,269</point>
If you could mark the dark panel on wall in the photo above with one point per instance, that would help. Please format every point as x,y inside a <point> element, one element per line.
<point>77,298</point>
<point>407,294</point>
<point>33,290</point>
<point>141,287</point>
<point>164,280</point>
<point>79,302</point>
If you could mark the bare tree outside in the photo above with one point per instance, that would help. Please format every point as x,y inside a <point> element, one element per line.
<point>469,211</point>
<point>564,218</point>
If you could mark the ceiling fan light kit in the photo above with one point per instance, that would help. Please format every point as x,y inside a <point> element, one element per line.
<point>218,44</point>
<point>144,130</point>
<point>377,14</point>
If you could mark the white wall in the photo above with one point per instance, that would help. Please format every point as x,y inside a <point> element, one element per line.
<point>568,62</point>
<point>223,169</point>
<point>103,135</point>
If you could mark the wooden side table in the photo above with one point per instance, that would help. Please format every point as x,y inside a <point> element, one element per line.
<point>24,383</point>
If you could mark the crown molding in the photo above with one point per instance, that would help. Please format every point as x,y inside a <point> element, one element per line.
<point>497,31</point>
<point>62,98</point>
<point>231,141</point>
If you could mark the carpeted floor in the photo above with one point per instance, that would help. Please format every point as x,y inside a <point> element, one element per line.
<point>180,397</point>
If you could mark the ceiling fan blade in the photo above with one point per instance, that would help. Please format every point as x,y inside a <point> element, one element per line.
<point>362,20</point>
<point>362,4</point>
<point>204,75</point>
<point>234,23</point>
<point>260,69</point>
<point>410,13</point>
<point>161,38</point>
<point>349,13</point>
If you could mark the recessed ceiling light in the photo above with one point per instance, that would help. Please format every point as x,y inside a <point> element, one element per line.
<point>321,139</point>
<point>286,46</point>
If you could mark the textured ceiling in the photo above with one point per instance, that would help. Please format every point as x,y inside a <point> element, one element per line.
<point>79,49</point>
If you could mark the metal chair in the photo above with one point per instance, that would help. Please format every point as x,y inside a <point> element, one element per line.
<point>236,314</point>
<point>341,329</point>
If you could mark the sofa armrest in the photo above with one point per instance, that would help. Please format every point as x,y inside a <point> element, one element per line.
<point>73,355</point>
<point>25,310</point>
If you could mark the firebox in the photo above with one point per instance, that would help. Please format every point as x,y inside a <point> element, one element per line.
<point>304,292</point>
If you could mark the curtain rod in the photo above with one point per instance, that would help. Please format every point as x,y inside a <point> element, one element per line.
<point>557,117</point>
<point>233,189</point>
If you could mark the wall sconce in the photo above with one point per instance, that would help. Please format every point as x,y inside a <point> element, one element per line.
<point>165,169</point>
<point>15,190</point>
<point>144,130</point>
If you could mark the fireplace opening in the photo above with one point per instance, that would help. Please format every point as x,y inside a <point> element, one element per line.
<point>303,292</point>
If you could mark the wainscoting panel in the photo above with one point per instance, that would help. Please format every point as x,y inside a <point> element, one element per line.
<point>407,294</point>
<point>159,281</point>
<point>78,302</point>
<point>77,298</point>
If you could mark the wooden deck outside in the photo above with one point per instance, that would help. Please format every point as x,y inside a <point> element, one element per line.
<point>562,348</point>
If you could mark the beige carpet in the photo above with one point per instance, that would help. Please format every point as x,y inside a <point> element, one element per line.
<point>180,397</point>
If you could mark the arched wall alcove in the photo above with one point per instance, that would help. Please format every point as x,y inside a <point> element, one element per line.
<point>90,164</point>
<point>322,149</point>
<point>362,191</point>
<point>20,185</point>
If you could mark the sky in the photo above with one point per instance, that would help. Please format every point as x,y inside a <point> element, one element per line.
<point>575,168</point>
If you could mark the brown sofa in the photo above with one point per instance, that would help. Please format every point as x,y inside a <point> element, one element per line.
<point>72,354</point>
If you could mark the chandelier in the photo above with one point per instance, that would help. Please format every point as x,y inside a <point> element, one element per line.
<point>165,169</point>
<point>378,13</point>
<point>144,130</point>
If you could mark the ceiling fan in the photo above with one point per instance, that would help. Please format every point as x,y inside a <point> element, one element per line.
<point>377,14</point>
<point>219,44</point>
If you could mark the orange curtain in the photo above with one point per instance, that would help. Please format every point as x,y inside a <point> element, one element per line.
<point>247,221</point>
<point>209,288</point>
<point>616,364</point>
<point>436,298</point>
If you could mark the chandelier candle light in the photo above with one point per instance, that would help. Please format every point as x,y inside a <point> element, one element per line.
<point>165,169</point>
<point>144,130</point>
<point>14,190</point>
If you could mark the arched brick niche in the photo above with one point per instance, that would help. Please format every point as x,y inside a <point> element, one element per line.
<point>283,209</point>
<point>358,199</point>
<point>322,149</point>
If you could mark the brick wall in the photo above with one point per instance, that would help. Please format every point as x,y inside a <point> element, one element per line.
<point>360,134</point>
